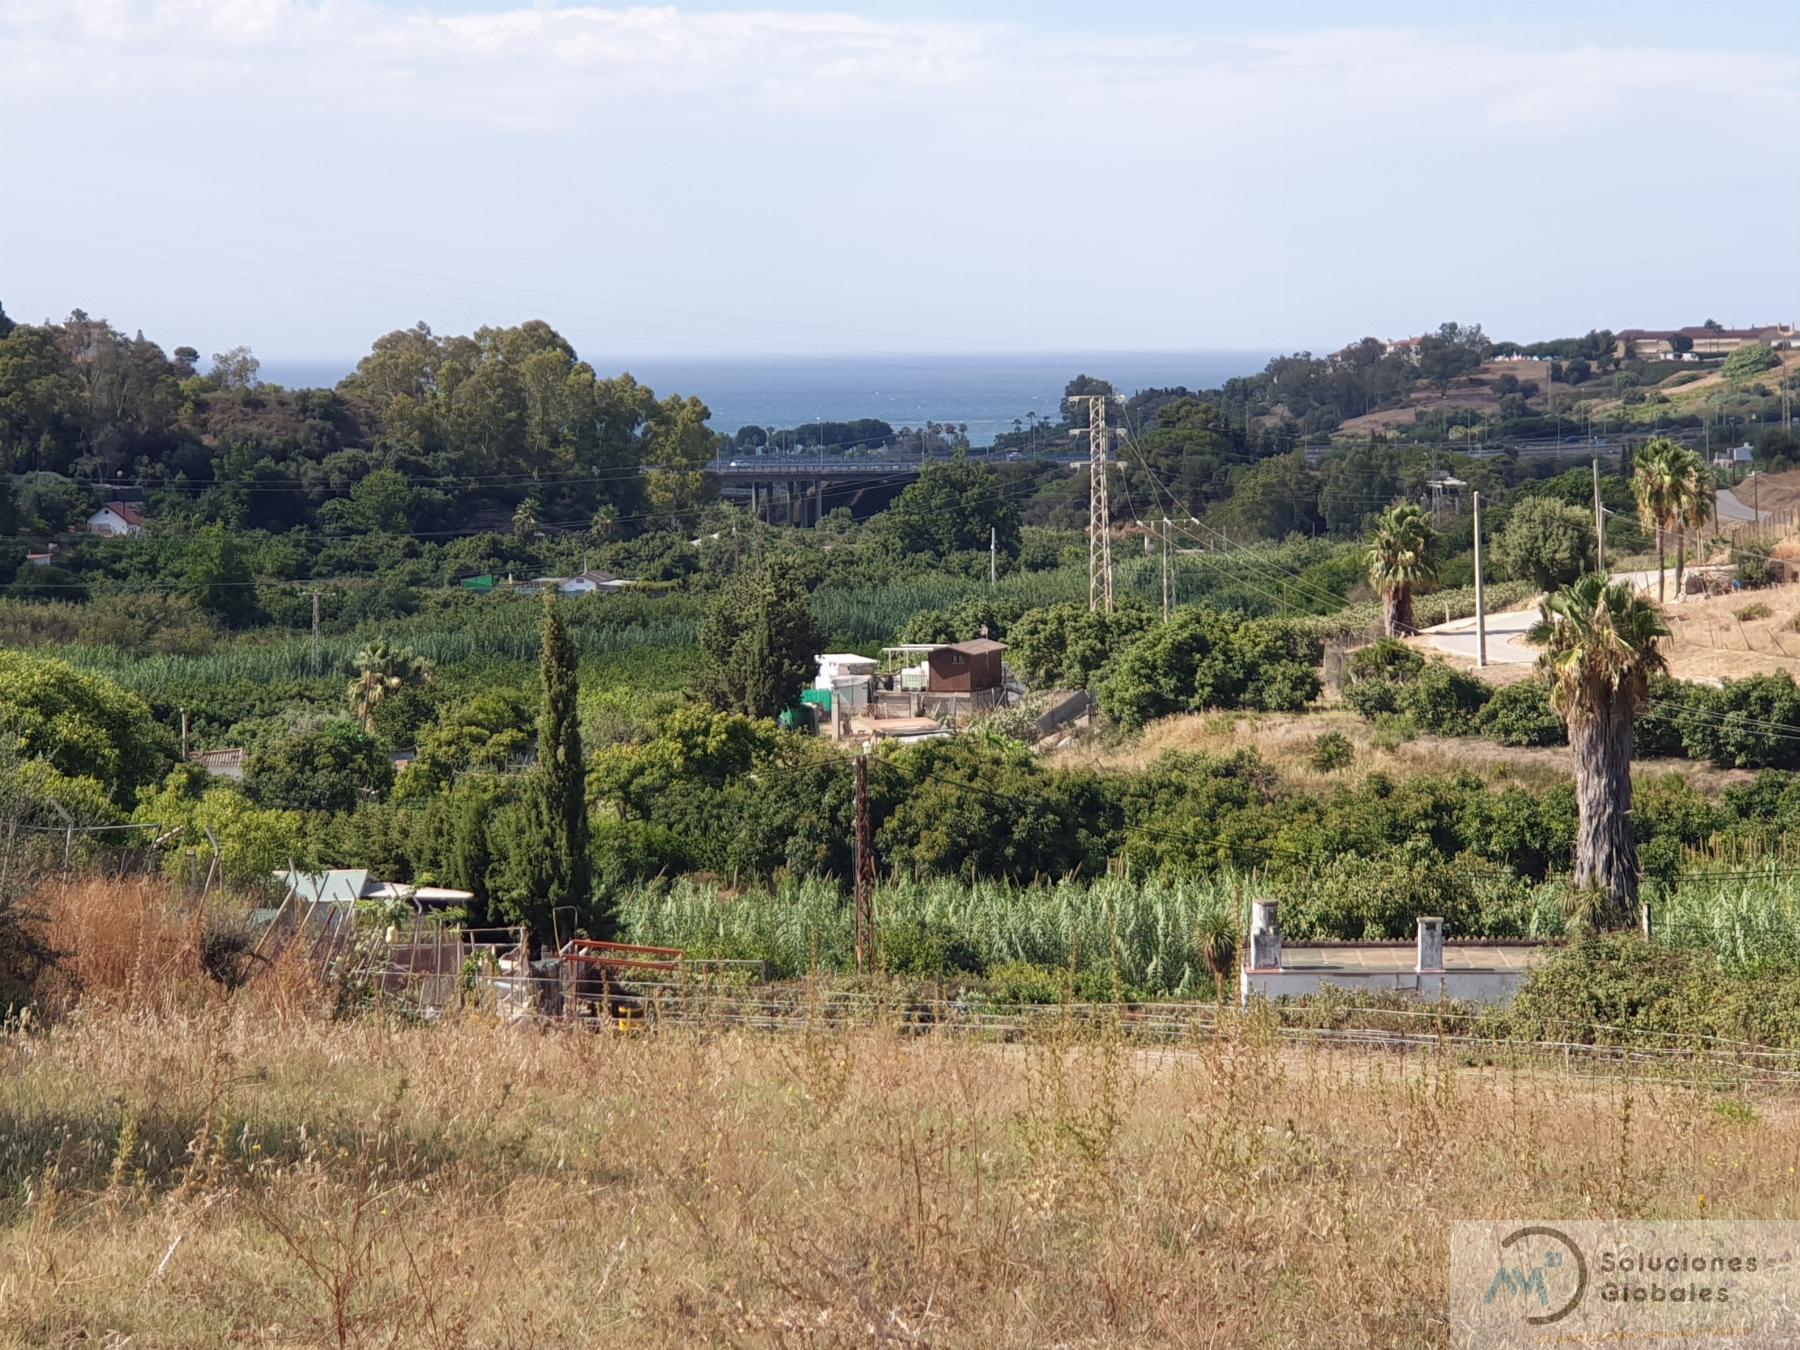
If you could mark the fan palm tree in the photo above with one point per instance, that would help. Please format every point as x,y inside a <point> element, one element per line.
<point>1695,494</point>
<point>525,518</point>
<point>383,670</point>
<point>606,520</point>
<point>1402,556</point>
<point>1657,483</point>
<point>1600,648</point>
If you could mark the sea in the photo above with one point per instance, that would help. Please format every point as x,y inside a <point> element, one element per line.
<point>987,393</point>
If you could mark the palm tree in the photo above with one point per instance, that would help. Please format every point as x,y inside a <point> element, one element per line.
<point>383,670</point>
<point>1402,556</point>
<point>606,519</point>
<point>1656,480</point>
<point>525,518</point>
<point>1695,494</point>
<point>1600,649</point>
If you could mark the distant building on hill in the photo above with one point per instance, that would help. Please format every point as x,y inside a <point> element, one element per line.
<point>1666,344</point>
<point>117,518</point>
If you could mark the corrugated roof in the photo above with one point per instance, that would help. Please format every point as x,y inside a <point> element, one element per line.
<point>977,647</point>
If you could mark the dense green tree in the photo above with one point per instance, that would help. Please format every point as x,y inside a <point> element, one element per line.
<point>82,724</point>
<point>1545,541</point>
<point>217,576</point>
<point>758,641</point>
<point>1067,645</point>
<point>326,768</point>
<point>951,510</point>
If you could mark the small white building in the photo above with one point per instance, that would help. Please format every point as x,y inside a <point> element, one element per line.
<point>117,519</point>
<point>586,583</point>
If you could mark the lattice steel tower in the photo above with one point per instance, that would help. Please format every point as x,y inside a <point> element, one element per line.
<point>1100,568</point>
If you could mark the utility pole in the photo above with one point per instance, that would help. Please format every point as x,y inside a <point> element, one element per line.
<point>184,736</point>
<point>863,864</point>
<point>1480,595</point>
<point>1100,573</point>
<point>1599,524</point>
<point>993,557</point>
<point>1168,576</point>
<point>315,633</point>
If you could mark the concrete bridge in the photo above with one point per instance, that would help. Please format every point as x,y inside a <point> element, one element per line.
<point>800,489</point>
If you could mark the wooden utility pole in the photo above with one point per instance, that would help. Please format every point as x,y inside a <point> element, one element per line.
<point>184,736</point>
<point>315,633</point>
<point>863,865</point>
<point>1599,524</point>
<point>1480,595</point>
<point>993,556</point>
<point>1168,576</point>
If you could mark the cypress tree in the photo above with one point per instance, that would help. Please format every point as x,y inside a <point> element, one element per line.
<point>560,871</point>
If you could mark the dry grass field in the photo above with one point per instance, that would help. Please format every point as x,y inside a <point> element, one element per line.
<point>181,1167</point>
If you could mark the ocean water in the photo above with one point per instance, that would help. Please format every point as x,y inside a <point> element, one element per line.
<point>985,392</point>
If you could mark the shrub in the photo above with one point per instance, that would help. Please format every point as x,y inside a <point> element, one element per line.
<point>1754,562</point>
<point>1520,714</point>
<point>1388,677</point>
<point>927,949</point>
<point>1023,982</point>
<point>1755,610</point>
<point>1203,659</point>
<point>1332,751</point>
<point>1748,361</point>
<point>1443,700</point>
<point>1742,725</point>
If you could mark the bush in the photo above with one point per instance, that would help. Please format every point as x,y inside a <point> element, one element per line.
<point>1748,361</point>
<point>1754,562</point>
<point>1741,726</point>
<point>1753,611</point>
<point>1388,678</point>
<point>1620,988</point>
<point>926,949</point>
<point>1520,714</point>
<point>1204,659</point>
<point>1332,751</point>
<point>1022,982</point>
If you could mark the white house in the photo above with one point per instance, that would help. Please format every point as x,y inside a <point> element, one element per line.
<point>116,518</point>
<point>586,583</point>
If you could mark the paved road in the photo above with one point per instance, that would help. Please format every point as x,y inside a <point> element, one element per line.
<point>1506,630</point>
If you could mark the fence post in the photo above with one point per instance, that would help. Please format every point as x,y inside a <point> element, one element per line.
<point>1644,918</point>
<point>1431,946</point>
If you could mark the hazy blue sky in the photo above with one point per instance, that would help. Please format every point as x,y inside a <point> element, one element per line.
<point>302,175</point>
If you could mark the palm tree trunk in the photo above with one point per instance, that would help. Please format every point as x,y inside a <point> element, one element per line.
<point>1659,564</point>
<point>1397,611</point>
<point>1605,849</point>
<point>1680,559</point>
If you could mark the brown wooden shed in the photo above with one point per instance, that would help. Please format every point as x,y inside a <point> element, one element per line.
<point>964,668</point>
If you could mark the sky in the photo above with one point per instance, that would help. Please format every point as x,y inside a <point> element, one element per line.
<point>737,180</point>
